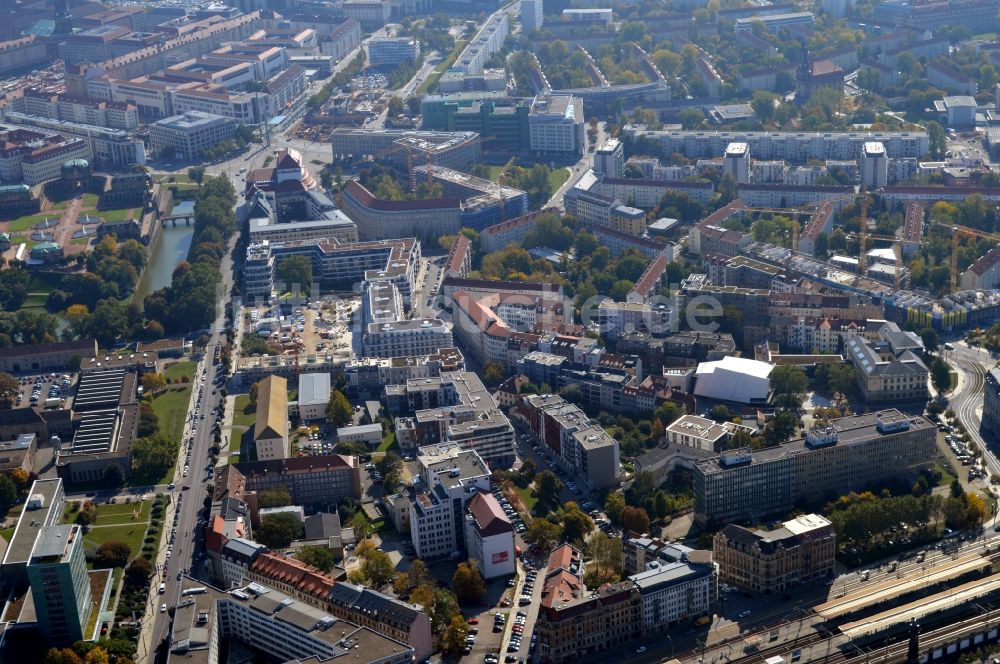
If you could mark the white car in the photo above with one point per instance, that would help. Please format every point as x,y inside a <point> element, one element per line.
<point>163,608</point>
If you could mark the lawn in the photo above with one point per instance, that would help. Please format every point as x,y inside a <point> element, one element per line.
<point>558,177</point>
<point>22,224</point>
<point>35,300</point>
<point>90,201</point>
<point>116,523</point>
<point>527,497</point>
<point>7,533</point>
<point>81,240</point>
<point>171,408</point>
<point>119,214</point>
<point>178,369</point>
<point>387,442</point>
<point>243,413</point>
<point>44,281</point>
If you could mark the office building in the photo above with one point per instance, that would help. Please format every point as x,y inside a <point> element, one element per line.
<point>874,166</point>
<point>25,53</point>
<point>60,587</point>
<point>556,126</point>
<point>848,454</point>
<point>368,376</point>
<point>450,476</point>
<point>489,536</point>
<point>532,16</point>
<point>393,51</point>
<point>737,162</point>
<point>384,614</point>
<point>774,22</point>
<point>890,369</point>
<point>44,507</point>
<point>676,592</point>
<point>609,159</point>
<point>312,481</point>
<point>421,336</point>
<point>775,561</point>
<point>702,433</point>
<point>270,431</point>
<point>188,136</point>
<point>588,15</point>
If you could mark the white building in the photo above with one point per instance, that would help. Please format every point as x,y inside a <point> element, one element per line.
<point>392,51</point>
<point>532,16</point>
<point>702,433</point>
<point>874,166</point>
<point>673,592</point>
<point>736,379</point>
<point>189,135</point>
<point>489,40</point>
<point>421,336</point>
<point>368,434</point>
<point>595,15</point>
<point>984,273</point>
<point>556,126</point>
<point>737,162</point>
<point>314,395</point>
<point>450,477</point>
<point>609,159</point>
<point>489,536</point>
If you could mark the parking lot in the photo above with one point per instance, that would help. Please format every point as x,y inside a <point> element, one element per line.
<point>45,390</point>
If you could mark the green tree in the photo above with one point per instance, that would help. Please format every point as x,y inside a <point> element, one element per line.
<point>378,568</point>
<point>930,338</point>
<point>8,494</point>
<point>443,609</point>
<point>606,552</point>
<point>492,374</point>
<point>277,531</point>
<point>941,375</point>
<point>197,174</point>
<point>114,476</point>
<point>153,455</point>
<point>576,524</point>
<point>614,503</point>
<point>468,583</point>
<point>780,428</point>
<point>9,388</point>
<point>542,533</point>
<point>276,497</point>
<point>548,487</point>
<point>296,271</point>
<point>937,140</point>
<point>360,524</point>
<point>317,556</point>
<point>391,467</point>
<point>87,516</point>
<point>138,572</point>
<point>112,554</point>
<point>789,384</point>
<point>690,118</point>
<point>338,409</point>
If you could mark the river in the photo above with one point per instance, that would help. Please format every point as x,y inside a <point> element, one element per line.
<point>171,248</point>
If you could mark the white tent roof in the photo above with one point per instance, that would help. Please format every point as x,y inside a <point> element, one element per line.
<point>733,379</point>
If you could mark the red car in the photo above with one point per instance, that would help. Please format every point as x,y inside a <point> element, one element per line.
<point>473,621</point>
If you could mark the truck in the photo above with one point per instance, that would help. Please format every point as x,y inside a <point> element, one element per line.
<point>52,402</point>
<point>777,659</point>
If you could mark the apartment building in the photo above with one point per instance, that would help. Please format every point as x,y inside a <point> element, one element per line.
<point>849,454</point>
<point>797,147</point>
<point>702,433</point>
<point>453,407</point>
<point>510,232</point>
<point>189,135</point>
<point>270,431</point>
<point>775,561</point>
<point>673,593</point>
<point>384,614</point>
<point>419,336</point>
<point>489,40</point>
<point>532,16</point>
<point>25,53</point>
<point>370,375</point>
<point>874,165</point>
<point>451,477</point>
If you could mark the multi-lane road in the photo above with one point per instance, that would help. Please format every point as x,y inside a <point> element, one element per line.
<point>967,402</point>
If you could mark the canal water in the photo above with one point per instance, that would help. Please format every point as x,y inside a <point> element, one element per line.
<point>171,248</point>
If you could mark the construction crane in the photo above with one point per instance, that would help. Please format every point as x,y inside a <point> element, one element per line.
<point>957,231</point>
<point>503,197</point>
<point>863,233</point>
<point>897,250</point>
<point>807,209</point>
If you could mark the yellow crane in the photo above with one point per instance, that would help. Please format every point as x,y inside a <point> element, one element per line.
<point>957,231</point>
<point>503,197</point>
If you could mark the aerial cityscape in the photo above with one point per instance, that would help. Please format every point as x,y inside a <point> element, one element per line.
<point>534,332</point>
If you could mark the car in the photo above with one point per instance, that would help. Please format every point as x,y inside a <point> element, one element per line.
<point>640,650</point>
<point>163,588</point>
<point>745,614</point>
<point>473,621</point>
<point>510,648</point>
<point>163,608</point>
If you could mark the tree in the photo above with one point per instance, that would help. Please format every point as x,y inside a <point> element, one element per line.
<point>114,476</point>
<point>152,455</point>
<point>378,568</point>
<point>197,174</point>
<point>548,487</point>
<point>391,466</point>
<point>930,338</point>
<point>339,410</point>
<point>690,118</point>
<point>443,609</point>
<point>468,583</point>
<point>454,636</point>
<point>418,573</point>
<point>492,374</point>
<point>152,382</point>
<point>635,519</point>
<point>937,141</point>
<point>940,375</point>
<point>359,523</point>
<point>63,656</point>
<point>296,270</point>
<point>8,494</point>
<point>277,531</point>
<point>87,516</point>
<point>613,506</point>
<point>576,524</point>
<point>276,497</point>
<point>789,384</point>
<point>9,388</point>
<point>112,554</point>
<point>317,556</point>
<point>780,427</point>
<point>138,572</point>
<point>97,655</point>
<point>607,556</point>
<point>542,533</point>
<point>395,106</point>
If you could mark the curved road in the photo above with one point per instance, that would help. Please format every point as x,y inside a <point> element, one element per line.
<point>967,403</point>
